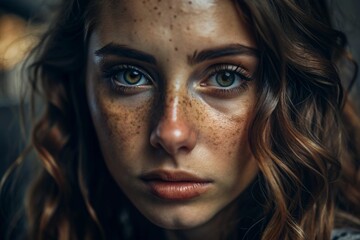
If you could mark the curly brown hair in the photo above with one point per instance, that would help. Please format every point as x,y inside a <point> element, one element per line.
<point>305,135</point>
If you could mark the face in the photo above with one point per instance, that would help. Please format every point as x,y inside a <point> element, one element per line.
<point>171,90</point>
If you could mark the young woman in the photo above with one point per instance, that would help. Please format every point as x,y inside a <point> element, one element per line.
<point>193,119</point>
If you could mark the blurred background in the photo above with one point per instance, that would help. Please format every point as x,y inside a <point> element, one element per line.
<point>21,23</point>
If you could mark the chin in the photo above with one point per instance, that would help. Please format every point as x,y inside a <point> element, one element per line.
<point>177,224</point>
<point>180,221</point>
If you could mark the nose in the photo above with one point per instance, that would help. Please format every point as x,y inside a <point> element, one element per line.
<point>174,132</point>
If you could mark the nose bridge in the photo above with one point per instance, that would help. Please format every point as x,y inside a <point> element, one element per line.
<point>174,109</point>
<point>174,130</point>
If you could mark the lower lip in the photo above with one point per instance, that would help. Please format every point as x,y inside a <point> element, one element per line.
<point>169,190</point>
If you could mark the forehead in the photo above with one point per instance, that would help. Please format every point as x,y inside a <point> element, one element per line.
<point>157,8</point>
<point>173,20</point>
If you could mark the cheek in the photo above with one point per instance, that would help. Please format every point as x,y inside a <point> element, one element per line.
<point>120,127</point>
<point>227,134</point>
<point>230,145</point>
<point>227,138</point>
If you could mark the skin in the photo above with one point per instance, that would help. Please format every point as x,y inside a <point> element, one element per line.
<point>179,119</point>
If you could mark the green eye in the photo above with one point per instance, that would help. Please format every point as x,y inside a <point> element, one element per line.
<point>132,76</point>
<point>225,78</point>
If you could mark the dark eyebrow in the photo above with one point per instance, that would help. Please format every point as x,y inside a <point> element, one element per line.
<point>124,51</point>
<point>228,50</point>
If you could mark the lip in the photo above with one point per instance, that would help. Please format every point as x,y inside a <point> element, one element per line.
<point>175,185</point>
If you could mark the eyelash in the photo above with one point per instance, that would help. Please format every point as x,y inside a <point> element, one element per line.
<point>111,72</point>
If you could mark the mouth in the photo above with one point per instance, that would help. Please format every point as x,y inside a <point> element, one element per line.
<point>175,186</point>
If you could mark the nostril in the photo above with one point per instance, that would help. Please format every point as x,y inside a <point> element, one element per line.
<point>184,149</point>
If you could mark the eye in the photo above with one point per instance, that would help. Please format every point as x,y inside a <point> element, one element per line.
<point>131,76</point>
<point>225,80</point>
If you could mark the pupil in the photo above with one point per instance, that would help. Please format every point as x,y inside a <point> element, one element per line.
<point>132,76</point>
<point>225,79</point>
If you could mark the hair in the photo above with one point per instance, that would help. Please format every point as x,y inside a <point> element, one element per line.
<point>304,135</point>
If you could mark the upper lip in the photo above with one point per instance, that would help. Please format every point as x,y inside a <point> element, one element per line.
<point>172,176</point>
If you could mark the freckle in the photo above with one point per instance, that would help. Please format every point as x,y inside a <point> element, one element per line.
<point>171,26</point>
<point>187,28</point>
<point>159,0</point>
<point>175,16</point>
<point>135,20</point>
<point>176,49</point>
<point>155,8</point>
<point>159,13</point>
<point>170,40</point>
<point>167,60</point>
<point>170,7</point>
<point>190,2</point>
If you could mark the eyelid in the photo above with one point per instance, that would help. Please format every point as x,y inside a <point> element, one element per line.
<point>117,68</point>
<point>238,68</point>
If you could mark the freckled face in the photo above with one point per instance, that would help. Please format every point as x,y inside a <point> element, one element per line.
<point>171,92</point>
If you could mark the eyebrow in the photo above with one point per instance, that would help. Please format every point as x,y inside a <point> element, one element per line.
<point>124,51</point>
<point>223,51</point>
<point>197,57</point>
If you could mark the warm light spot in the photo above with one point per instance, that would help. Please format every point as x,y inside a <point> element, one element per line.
<point>15,41</point>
